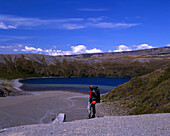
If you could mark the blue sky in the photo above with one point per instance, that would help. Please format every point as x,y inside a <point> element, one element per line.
<point>58,27</point>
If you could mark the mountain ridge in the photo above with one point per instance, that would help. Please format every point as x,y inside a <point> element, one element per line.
<point>153,51</point>
<point>125,64</point>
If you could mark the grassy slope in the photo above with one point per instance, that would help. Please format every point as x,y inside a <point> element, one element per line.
<point>22,67</point>
<point>145,94</point>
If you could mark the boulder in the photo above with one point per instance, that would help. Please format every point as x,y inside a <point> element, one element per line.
<point>61,117</point>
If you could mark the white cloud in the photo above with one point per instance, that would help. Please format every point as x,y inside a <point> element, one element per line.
<point>168,45</point>
<point>96,19</point>
<point>12,27</point>
<point>122,48</point>
<point>72,26</point>
<point>39,50</point>
<point>82,49</point>
<point>96,24</point>
<point>4,38</point>
<point>27,23</point>
<point>66,23</point>
<point>15,49</point>
<point>125,25</point>
<point>5,47</point>
<point>144,46</point>
<point>112,25</point>
<point>59,52</point>
<point>4,26</point>
<point>48,50</point>
<point>20,45</point>
<point>94,51</point>
<point>27,48</point>
<point>79,49</point>
<point>33,49</point>
<point>8,48</point>
<point>34,21</point>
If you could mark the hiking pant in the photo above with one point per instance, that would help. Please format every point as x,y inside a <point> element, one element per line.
<point>91,109</point>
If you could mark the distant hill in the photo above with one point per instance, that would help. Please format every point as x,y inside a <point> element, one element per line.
<point>120,64</point>
<point>153,51</point>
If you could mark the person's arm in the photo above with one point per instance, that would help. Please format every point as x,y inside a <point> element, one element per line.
<point>90,94</point>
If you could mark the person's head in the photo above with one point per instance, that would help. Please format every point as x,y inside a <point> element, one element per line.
<point>91,87</point>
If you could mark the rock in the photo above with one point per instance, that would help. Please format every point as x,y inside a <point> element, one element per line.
<point>59,118</point>
<point>3,130</point>
<point>10,91</point>
<point>2,94</point>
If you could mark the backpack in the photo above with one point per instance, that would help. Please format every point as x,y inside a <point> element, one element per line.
<point>96,94</point>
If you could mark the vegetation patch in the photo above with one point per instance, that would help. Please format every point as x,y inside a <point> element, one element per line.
<point>143,95</point>
<point>13,67</point>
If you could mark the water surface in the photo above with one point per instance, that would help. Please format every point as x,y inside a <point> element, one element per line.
<point>105,84</point>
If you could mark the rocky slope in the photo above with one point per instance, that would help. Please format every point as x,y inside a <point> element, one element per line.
<point>10,88</point>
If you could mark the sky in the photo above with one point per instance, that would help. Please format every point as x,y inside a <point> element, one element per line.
<point>66,27</point>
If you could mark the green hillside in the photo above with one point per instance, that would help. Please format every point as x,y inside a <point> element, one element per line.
<point>36,65</point>
<point>143,95</point>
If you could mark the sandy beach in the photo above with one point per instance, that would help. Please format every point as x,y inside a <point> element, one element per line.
<point>41,107</point>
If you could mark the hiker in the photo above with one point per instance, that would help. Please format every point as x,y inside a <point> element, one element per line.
<point>94,97</point>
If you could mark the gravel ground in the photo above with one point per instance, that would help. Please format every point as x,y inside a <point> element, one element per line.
<point>112,109</point>
<point>140,125</point>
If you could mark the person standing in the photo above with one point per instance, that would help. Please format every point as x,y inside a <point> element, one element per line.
<point>92,102</point>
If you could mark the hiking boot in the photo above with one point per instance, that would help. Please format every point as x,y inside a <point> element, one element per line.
<point>93,116</point>
<point>89,116</point>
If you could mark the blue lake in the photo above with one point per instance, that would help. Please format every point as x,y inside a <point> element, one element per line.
<point>105,84</point>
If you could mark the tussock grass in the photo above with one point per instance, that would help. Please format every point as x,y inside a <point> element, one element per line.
<point>145,94</point>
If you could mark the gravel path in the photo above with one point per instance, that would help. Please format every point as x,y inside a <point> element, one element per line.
<point>141,125</point>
